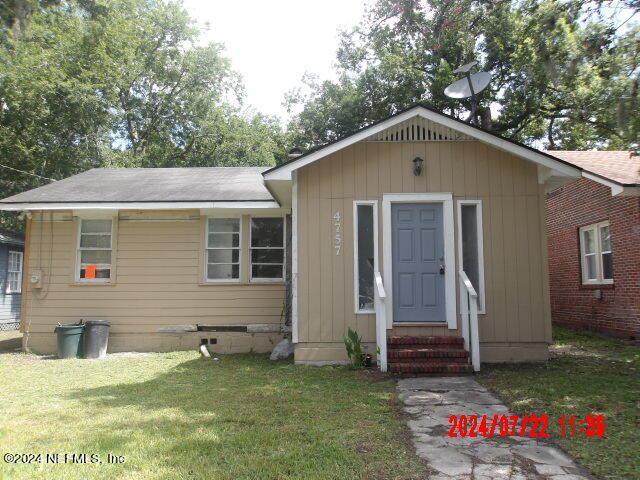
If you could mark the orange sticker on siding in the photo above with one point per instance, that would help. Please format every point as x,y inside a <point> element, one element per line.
<point>90,271</point>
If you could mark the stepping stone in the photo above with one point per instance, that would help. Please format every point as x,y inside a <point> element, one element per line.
<point>440,384</point>
<point>543,454</point>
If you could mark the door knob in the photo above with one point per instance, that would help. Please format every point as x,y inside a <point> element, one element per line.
<point>441,269</point>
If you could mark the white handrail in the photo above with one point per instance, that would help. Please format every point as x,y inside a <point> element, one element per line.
<point>380,286</point>
<point>381,321</point>
<point>469,313</point>
<point>467,283</point>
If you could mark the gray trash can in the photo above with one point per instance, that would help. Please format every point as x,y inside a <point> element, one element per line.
<point>96,338</point>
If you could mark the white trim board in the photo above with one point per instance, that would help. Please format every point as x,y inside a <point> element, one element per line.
<point>356,273</point>
<point>449,249</point>
<point>482,307</point>
<point>294,259</point>
<point>284,172</point>
<point>616,188</point>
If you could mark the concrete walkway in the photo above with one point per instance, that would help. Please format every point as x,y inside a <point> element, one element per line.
<point>431,401</point>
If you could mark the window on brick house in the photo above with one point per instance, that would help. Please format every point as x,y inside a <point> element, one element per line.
<point>595,253</point>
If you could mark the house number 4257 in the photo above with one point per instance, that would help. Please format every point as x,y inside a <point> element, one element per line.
<point>337,239</point>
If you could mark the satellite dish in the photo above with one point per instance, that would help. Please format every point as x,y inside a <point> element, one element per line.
<point>465,68</point>
<point>469,86</point>
<point>463,87</point>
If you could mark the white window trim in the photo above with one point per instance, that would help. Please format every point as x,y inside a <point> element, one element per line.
<point>356,273</point>
<point>78,251</point>
<point>482,309</point>
<point>205,272</point>
<point>598,253</point>
<point>449,250</point>
<point>8,287</point>
<point>253,279</point>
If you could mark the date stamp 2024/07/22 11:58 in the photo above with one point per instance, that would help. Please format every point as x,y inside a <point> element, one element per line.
<point>535,426</point>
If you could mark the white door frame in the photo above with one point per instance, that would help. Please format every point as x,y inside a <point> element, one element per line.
<point>449,248</point>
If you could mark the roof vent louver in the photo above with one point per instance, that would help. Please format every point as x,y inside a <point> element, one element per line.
<point>418,130</point>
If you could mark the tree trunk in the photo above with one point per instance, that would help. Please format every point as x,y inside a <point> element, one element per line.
<point>21,12</point>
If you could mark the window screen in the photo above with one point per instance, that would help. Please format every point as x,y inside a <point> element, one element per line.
<point>365,260</point>
<point>94,250</point>
<point>14,272</point>
<point>223,249</point>
<point>267,248</point>
<point>470,246</point>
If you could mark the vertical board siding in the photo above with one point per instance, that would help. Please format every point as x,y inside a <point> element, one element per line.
<point>158,281</point>
<point>517,304</point>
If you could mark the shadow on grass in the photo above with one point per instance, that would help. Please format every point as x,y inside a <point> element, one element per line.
<point>12,344</point>
<point>245,416</point>
<point>200,385</point>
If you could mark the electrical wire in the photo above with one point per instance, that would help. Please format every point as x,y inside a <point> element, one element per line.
<point>27,173</point>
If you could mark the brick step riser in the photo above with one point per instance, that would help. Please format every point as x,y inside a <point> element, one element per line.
<point>431,340</point>
<point>460,360</point>
<point>418,375</point>
<point>428,353</point>
<point>425,341</point>
<point>412,346</point>
<point>426,368</point>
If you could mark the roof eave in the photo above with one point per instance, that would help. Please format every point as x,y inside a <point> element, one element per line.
<point>186,205</point>
<point>561,167</point>
<point>617,188</point>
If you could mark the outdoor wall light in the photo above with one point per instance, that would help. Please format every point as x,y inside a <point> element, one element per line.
<point>417,166</point>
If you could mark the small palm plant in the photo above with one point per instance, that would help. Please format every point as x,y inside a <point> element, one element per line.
<point>353,343</point>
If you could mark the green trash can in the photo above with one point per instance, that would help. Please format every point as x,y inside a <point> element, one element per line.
<point>69,339</point>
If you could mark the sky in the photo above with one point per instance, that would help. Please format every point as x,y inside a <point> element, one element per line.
<point>272,43</point>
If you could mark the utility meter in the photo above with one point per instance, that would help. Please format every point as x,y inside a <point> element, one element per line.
<point>35,279</point>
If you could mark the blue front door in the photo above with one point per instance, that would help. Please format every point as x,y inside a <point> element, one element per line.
<point>418,262</point>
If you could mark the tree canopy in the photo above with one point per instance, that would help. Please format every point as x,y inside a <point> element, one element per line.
<point>565,72</point>
<point>88,83</point>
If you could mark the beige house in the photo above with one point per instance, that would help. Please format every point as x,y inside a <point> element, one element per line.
<point>421,232</point>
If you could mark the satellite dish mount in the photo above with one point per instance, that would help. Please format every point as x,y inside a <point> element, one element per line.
<point>469,87</point>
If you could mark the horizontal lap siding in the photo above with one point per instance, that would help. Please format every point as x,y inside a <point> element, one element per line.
<point>9,303</point>
<point>157,284</point>
<point>9,308</point>
<point>514,246</point>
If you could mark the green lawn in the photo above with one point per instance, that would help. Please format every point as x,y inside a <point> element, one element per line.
<point>175,415</point>
<point>587,374</point>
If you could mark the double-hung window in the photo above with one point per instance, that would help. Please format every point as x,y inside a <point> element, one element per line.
<point>223,250</point>
<point>267,249</point>
<point>595,253</point>
<point>94,251</point>
<point>14,272</point>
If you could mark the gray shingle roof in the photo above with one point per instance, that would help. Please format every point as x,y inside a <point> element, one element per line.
<point>12,238</point>
<point>226,184</point>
